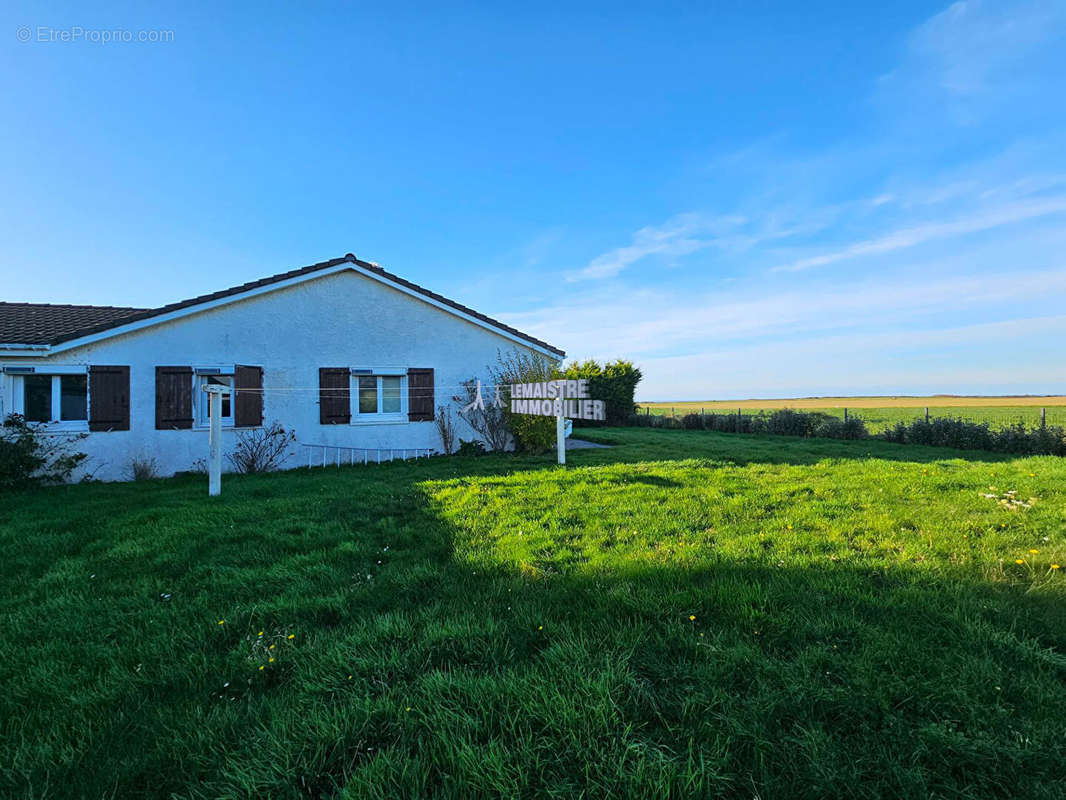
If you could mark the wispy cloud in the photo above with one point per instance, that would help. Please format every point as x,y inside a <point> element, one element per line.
<point>679,236</point>
<point>912,236</point>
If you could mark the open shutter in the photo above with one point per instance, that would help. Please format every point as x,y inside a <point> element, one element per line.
<point>248,385</point>
<point>334,401</point>
<point>420,396</point>
<point>109,398</point>
<point>173,397</point>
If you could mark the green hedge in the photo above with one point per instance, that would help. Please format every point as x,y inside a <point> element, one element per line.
<point>614,382</point>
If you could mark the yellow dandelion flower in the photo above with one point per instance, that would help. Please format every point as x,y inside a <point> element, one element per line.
<point>1018,561</point>
<point>271,647</point>
<point>271,659</point>
<point>222,622</point>
<point>1032,474</point>
<point>789,527</point>
<point>691,617</point>
<point>261,667</point>
<point>349,677</point>
<point>260,633</point>
<point>408,708</point>
<point>292,635</point>
<point>1034,552</point>
<point>1054,566</point>
<point>540,627</point>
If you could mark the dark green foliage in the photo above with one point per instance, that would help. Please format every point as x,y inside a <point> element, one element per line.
<point>474,447</point>
<point>532,433</point>
<point>29,457</point>
<point>686,614</point>
<point>614,382</point>
<point>784,422</point>
<point>966,435</point>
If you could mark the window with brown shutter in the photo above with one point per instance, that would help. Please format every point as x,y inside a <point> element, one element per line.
<point>334,397</point>
<point>173,398</point>
<point>109,398</point>
<point>248,386</point>
<point>420,396</point>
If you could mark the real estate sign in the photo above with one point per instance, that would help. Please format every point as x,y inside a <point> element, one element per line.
<point>560,398</point>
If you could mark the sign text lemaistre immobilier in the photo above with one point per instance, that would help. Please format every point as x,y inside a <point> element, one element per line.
<point>561,398</point>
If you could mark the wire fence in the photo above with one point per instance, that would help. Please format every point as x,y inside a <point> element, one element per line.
<point>879,419</point>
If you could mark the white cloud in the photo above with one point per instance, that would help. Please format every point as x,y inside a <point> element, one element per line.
<point>919,234</point>
<point>679,236</point>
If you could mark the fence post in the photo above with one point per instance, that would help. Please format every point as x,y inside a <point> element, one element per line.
<point>845,413</point>
<point>927,413</point>
<point>1043,418</point>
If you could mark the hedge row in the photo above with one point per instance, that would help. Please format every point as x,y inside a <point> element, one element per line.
<point>960,434</point>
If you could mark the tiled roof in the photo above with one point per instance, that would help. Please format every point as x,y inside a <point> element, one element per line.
<point>30,323</point>
<point>40,323</point>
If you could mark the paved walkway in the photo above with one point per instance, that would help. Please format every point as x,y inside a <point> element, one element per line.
<point>581,444</point>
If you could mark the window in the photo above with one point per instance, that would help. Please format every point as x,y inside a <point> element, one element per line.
<point>202,401</point>
<point>379,397</point>
<point>53,398</point>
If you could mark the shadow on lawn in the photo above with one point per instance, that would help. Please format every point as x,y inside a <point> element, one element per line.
<point>722,679</point>
<point>742,449</point>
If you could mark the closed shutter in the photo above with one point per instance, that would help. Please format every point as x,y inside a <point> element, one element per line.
<point>109,398</point>
<point>248,385</point>
<point>420,397</point>
<point>334,402</point>
<point>173,397</point>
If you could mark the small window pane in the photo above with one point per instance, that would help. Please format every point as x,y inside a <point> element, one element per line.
<point>368,395</point>
<point>72,392</point>
<point>37,400</point>
<point>390,395</point>
<point>218,380</point>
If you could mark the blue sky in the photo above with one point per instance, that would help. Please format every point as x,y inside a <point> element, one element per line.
<point>747,199</point>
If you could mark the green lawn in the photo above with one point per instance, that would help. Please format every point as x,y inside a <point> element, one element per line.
<point>687,614</point>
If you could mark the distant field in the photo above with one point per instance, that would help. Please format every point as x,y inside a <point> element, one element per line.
<point>881,412</point>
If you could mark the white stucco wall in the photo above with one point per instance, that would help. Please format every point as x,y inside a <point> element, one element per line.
<point>343,319</point>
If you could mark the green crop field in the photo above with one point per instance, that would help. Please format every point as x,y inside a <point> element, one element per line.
<point>686,614</point>
<point>883,412</point>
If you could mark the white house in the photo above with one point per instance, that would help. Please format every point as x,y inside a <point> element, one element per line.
<point>341,352</point>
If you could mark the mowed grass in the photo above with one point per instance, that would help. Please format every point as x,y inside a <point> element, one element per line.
<point>687,614</point>
<point>880,413</point>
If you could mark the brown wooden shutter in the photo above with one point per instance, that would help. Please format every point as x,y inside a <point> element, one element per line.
<point>173,398</point>
<point>109,398</point>
<point>420,396</point>
<point>248,386</point>
<point>334,401</point>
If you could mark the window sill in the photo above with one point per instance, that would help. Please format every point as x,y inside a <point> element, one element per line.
<point>381,419</point>
<point>80,426</point>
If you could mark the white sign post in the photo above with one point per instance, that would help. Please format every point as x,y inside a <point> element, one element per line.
<point>560,438</point>
<point>214,438</point>
<point>561,399</point>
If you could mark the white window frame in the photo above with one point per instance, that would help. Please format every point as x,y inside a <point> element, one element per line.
<point>377,417</point>
<point>16,381</point>
<point>200,418</point>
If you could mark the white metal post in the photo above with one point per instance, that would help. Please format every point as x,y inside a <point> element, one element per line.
<point>560,438</point>
<point>214,438</point>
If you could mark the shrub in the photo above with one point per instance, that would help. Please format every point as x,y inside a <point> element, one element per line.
<point>488,420</point>
<point>446,429</point>
<point>963,434</point>
<point>532,433</point>
<point>614,382</point>
<point>692,422</point>
<point>261,449</point>
<point>142,468</point>
<point>30,457</point>
<point>474,447</point>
